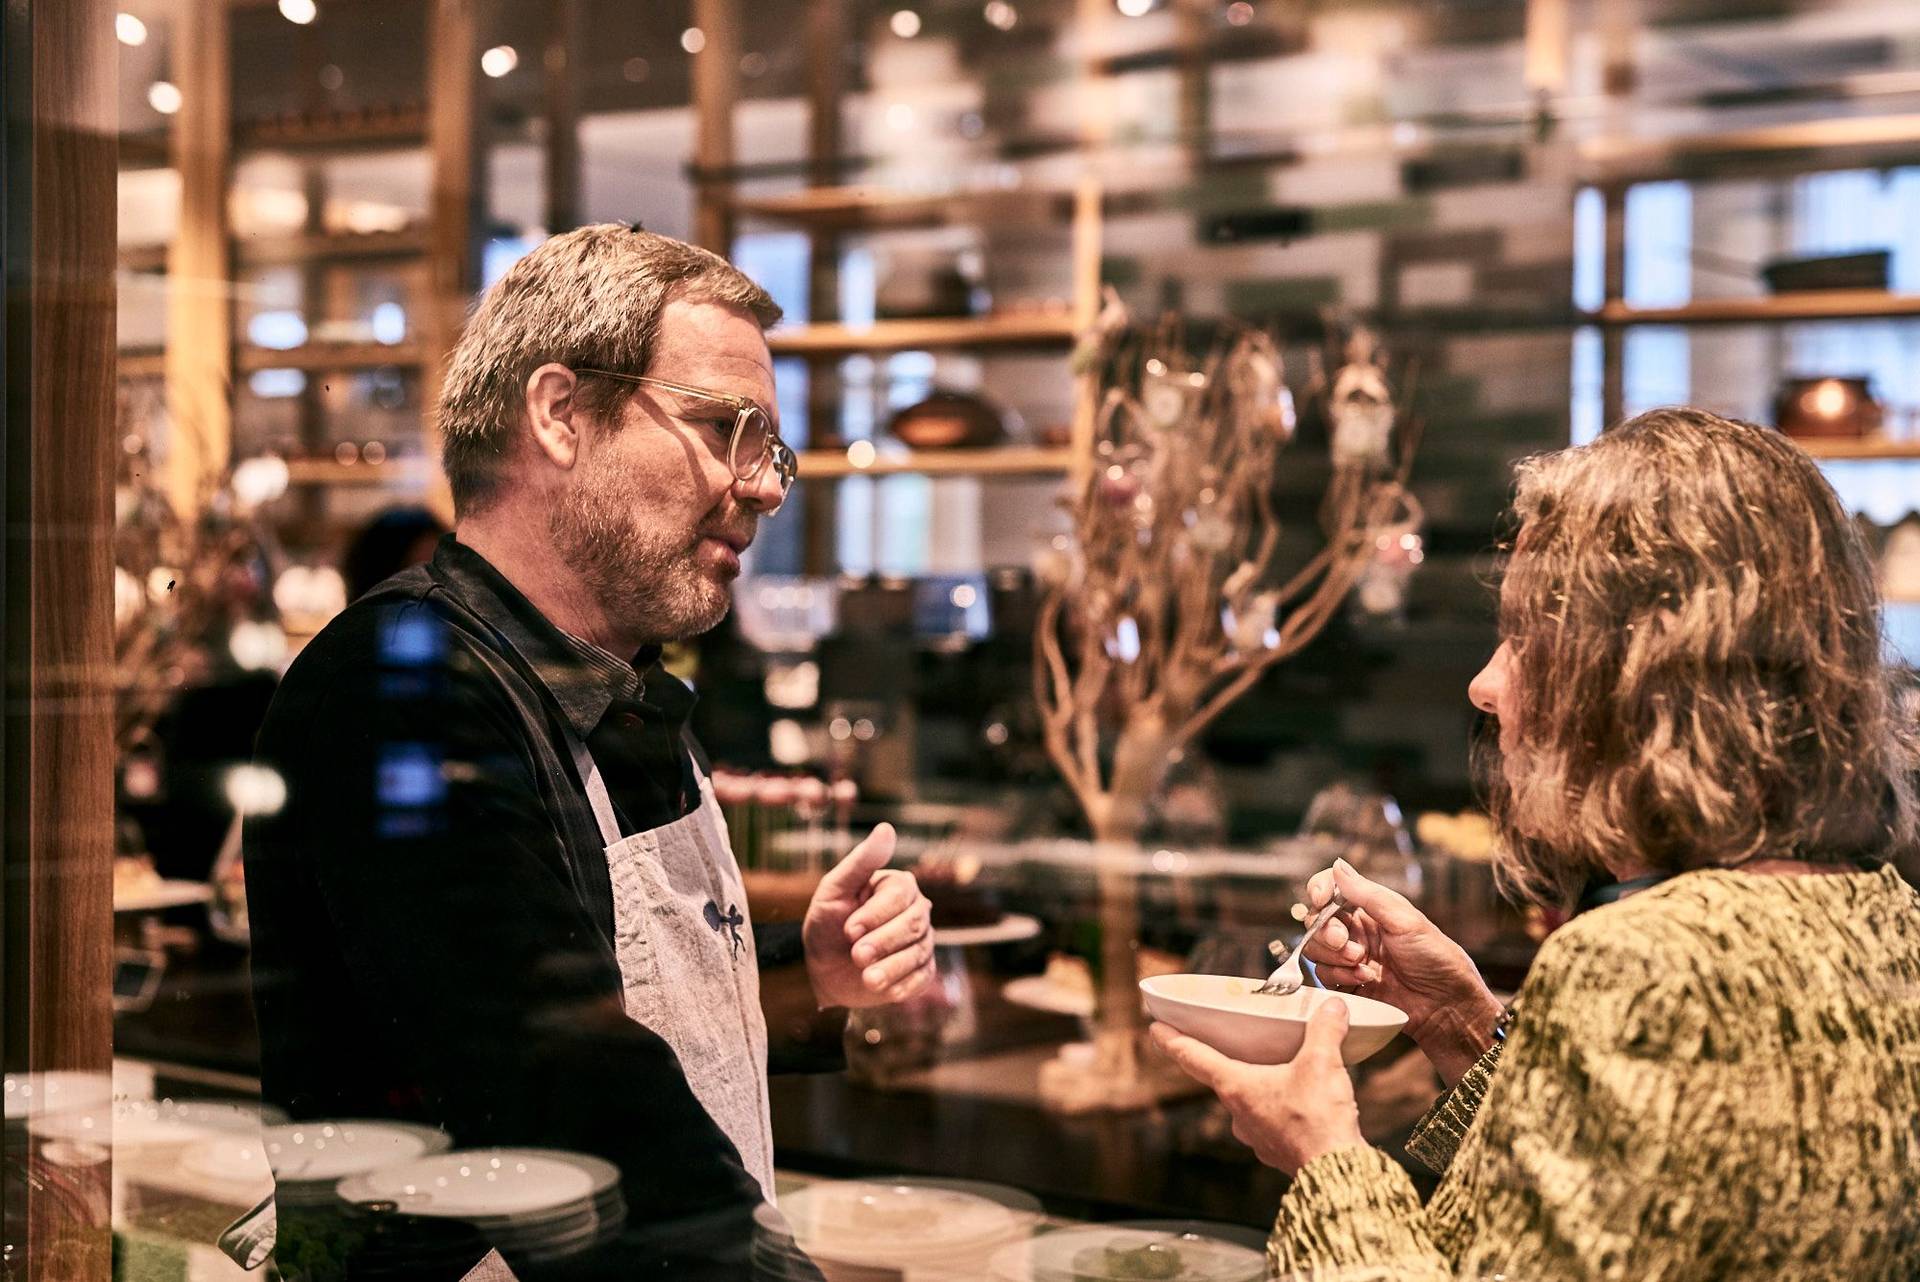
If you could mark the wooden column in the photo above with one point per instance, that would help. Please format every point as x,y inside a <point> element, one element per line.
<point>563,68</point>
<point>199,357</point>
<point>56,593</point>
<point>716,86</point>
<point>455,205</point>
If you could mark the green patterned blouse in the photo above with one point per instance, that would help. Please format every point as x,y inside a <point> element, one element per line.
<point>1715,1078</point>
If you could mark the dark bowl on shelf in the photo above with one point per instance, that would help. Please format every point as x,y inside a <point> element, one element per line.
<point>1867,270</point>
<point>1827,406</point>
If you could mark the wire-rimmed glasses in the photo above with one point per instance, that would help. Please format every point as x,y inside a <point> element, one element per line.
<point>753,445</point>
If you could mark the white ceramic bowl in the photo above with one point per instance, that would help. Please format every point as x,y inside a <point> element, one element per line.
<point>1224,1012</point>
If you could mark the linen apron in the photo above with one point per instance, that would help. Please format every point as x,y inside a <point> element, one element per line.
<point>688,967</point>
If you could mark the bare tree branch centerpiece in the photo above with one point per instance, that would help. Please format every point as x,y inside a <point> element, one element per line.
<point>1168,600</point>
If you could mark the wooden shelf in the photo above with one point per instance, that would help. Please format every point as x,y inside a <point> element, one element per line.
<point>1846,448</point>
<point>326,471</point>
<point>1838,304</point>
<point>326,356</point>
<point>1006,460</point>
<point>1038,329</point>
<point>876,208</point>
<point>399,127</point>
<point>143,258</point>
<point>1845,142</point>
<point>264,250</point>
<point>142,364</point>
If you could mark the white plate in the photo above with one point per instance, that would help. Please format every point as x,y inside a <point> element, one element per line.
<point>483,1183</point>
<point>1009,929</point>
<point>33,1095</point>
<point>1077,1255</point>
<point>149,1122</point>
<point>1037,992</point>
<point>163,894</point>
<point>895,1223</point>
<point>1227,1014</point>
<point>327,1150</point>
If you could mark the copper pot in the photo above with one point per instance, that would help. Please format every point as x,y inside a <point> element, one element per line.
<point>1827,407</point>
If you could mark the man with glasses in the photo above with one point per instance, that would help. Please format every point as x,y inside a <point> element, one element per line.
<point>498,900</point>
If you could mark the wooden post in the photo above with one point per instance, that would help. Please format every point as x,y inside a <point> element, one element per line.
<point>199,356</point>
<point>1091,18</point>
<point>56,600</point>
<point>563,68</point>
<point>716,84</point>
<point>1193,24</point>
<point>826,41</point>
<point>1613,338</point>
<point>452,260</point>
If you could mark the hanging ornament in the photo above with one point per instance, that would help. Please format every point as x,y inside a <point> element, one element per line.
<point>1360,406</point>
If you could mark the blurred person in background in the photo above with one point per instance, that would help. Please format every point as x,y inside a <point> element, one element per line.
<point>397,538</point>
<point>1714,1071</point>
<point>499,899</point>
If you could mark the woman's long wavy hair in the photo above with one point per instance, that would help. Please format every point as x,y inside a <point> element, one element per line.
<point>1698,661</point>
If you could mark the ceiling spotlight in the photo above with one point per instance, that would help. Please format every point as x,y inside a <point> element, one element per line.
<point>499,60</point>
<point>299,11</point>
<point>164,97</point>
<point>634,70</point>
<point>693,40</point>
<point>131,31</point>
<point>905,24</point>
<point>1239,13</point>
<point>1002,15</point>
<point>1133,8</point>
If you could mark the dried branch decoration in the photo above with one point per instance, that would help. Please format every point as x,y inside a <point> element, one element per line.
<point>1167,601</point>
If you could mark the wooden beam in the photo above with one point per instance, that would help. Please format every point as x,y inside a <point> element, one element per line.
<point>56,599</point>
<point>199,293</point>
<point>716,82</point>
<point>452,258</point>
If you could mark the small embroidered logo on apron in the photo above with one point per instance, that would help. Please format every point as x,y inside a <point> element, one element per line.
<point>730,923</point>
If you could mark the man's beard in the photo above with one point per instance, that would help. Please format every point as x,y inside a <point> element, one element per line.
<point>649,585</point>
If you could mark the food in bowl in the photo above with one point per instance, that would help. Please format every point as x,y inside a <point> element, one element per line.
<point>1227,1014</point>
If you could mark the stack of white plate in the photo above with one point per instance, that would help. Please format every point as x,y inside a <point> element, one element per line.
<point>906,1227</point>
<point>306,1160</point>
<point>534,1204</point>
<point>1113,1252</point>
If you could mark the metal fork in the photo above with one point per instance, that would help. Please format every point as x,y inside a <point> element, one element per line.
<point>1288,976</point>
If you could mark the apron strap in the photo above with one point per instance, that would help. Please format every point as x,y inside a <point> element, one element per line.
<point>596,787</point>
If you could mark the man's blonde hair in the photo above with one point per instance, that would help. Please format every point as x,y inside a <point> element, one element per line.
<point>590,297</point>
<point>1698,662</point>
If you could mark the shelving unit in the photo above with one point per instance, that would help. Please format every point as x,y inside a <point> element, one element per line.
<point>830,209</point>
<point>1842,448</point>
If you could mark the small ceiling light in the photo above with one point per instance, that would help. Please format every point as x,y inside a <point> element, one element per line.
<point>635,70</point>
<point>905,24</point>
<point>131,31</point>
<point>1133,8</point>
<point>754,65</point>
<point>331,78</point>
<point>299,11</point>
<point>164,97</point>
<point>499,60</point>
<point>693,40</point>
<point>1239,13</point>
<point>1002,15</point>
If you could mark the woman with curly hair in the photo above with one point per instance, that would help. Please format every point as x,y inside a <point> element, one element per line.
<point>1714,1071</point>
